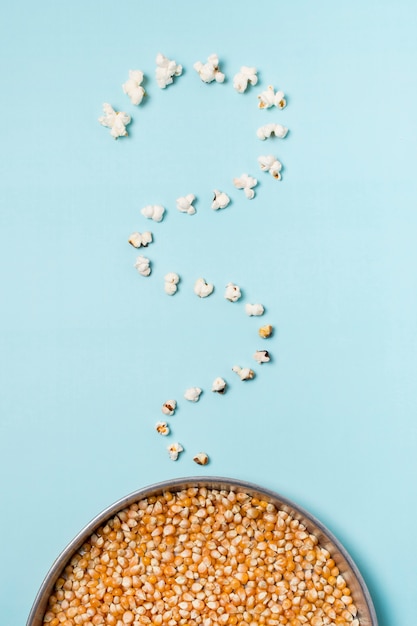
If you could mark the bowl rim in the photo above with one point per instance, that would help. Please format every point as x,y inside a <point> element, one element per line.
<point>313,524</point>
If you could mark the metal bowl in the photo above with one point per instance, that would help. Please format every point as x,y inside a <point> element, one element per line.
<point>346,565</point>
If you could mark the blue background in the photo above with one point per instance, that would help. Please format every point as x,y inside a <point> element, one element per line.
<point>90,349</point>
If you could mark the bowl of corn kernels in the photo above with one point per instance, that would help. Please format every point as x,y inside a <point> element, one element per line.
<point>203,551</point>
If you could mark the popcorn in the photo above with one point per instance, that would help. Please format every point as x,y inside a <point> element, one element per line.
<point>153,212</point>
<point>142,264</point>
<point>174,449</point>
<point>219,385</point>
<point>115,120</point>
<point>171,281</point>
<point>201,458</point>
<point>162,428</point>
<point>210,71</point>
<point>262,356</point>
<point>269,98</point>
<point>137,239</point>
<point>270,164</point>
<point>271,129</point>
<point>166,70</point>
<point>193,394</point>
<point>246,183</point>
<point>168,408</point>
<point>220,200</point>
<point>265,331</point>
<point>203,289</point>
<point>132,87</point>
<point>254,309</point>
<point>185,204</point>
<point>232,292</point>
<point>247,75</point>
<point>244,373</point>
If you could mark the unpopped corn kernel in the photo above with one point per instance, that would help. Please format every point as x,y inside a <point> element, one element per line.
<point>265,331</point>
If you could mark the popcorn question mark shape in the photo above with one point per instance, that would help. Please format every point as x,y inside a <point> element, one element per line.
<point>166,71</point>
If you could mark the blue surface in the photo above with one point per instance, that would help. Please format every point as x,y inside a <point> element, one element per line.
<point>90,349</point>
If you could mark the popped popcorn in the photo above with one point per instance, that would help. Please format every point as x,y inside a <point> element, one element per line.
<point>166,70</point>
<point>185,204</point>
<point>219,385</point>
<point>232,292</point>
<point>270,164</point>
<point>247,183</point>
<point>140,239</point>
<point>272,129</point>
<point>162,428</point>
<point>220,200</point>
<point>247,75</point>
<point>153,212</point>
<point>269,98</point>
<point>244,373</point>
<point>115,120</point>
<point>133,87</point>
<point>142,264</point>
<point>171,283</point>
<point>201,458</point>
<point>193,394</point>
<point>265,331</point>
<point>254,309</point>
<point>168,408</point>
<point>203,289</point>
<point>262,356</point>
<point>209,71</point>
<point>174,449</point>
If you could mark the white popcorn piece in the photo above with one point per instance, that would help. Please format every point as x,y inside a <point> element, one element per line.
<point>270,164</point>
<point>269,98</point>
<point>133,86</point>
<point>219,385</point>
<point>115,120</point>
<point>244,373</point>
<point>203,289</point>
<point>209,71</point>
<point>140,239</point>
<point>247,183</point>
<point>174,450</point>
<point>185,204</point>
<point>266,131</point>
<point>201,458</point>
<point>142,264</point>
<point>232,292</point>
<point>153,212</point>
<point>254,309</point>
<point>162,428</point>
<point>220,200</point>
<point>246,76</point>
<point>193,394</point>
<point>166,70</point>
<point>262,356</point>
<point>168,408</point>
<point>171,283</point>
